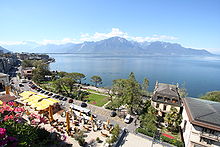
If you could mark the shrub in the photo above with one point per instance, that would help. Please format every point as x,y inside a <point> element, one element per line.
<point>145,132</point>
<point>98,139</point>
<point>172,141</point>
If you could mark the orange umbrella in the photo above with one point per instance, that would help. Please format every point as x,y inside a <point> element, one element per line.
<point>50,114</point>
<point>91,118</point>
<point>108,122</point>
<point>67,122</point>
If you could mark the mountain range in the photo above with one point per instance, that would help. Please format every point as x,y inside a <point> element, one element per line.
<point>114,45</point>
<point>4,50</point>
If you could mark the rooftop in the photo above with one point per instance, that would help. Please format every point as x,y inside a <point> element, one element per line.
<point>3,75</point>
<point>203,112</point>
<point>166,93</point>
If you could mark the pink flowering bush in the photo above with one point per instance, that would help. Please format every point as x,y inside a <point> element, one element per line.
<point>2,132</point>
<point>7,140</point>
<point>14,131</point>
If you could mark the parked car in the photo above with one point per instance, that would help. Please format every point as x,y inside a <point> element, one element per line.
<point>127,118</point>
<point>70,100</point>
<point>23,81</point>
<point>38,89</point>
<point>46,92</point>
<point>42,91</point>
<point>83,105</point>
<point>64,99</point>
<point>21,85</point>
<point>61,98</point>
<point>50,94</point>
<point>113,114</point>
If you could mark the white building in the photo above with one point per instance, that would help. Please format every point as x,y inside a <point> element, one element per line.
<point>164,97</point>
<point>201,123</point>
<point>4,80</point>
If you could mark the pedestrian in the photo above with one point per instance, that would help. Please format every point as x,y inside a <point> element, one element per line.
<point>135,122</point>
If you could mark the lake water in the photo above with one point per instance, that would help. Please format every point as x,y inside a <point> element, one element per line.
<point>198,74</point>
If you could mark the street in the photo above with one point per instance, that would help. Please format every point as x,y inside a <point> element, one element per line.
<point>101,113</point>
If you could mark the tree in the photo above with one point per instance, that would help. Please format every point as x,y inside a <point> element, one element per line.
<point>173,120</point>
<point>62,74</point>
<point>128,91</point>
<point>27,63</point>
<point>41,70</point>
<point>182,91</point>
<point>148,120</point>
<point>132,77</point>
<point>76,76</point>
<point>97,80</point>
<point>145,84</point>
<point>66,84</point>
<point>212,96</point>
<point>80,138</point>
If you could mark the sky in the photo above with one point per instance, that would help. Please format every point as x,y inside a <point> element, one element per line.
<point>192,23</point>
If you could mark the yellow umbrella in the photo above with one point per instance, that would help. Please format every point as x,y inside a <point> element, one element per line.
<point>67,122</point>
<point>42,107</point>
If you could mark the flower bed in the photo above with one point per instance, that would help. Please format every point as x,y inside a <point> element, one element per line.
<point>16,131</point>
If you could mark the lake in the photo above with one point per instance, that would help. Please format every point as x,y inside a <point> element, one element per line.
<point>197,74</point>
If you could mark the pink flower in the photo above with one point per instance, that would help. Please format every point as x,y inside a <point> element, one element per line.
<point>7,108</point>
<point>11,139</point>
<point>11,103</point>
<point>2,132</point>
<point>18,109</point>
<point>42,120</point>
<point>63,137</point>
<point>33,122</point>
<point>18,115</point>
<point>8,117</point>
<point>3,142</point>
<point>2,110</point>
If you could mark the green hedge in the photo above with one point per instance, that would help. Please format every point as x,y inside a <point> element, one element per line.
<point>172,141</point>
<point>163,138</point>
<point>145,132</point>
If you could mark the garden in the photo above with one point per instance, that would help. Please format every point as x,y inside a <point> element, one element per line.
<point>17,131</point>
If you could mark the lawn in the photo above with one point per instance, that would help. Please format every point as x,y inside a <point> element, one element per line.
<point>98,100</point>
<point>90,90</point>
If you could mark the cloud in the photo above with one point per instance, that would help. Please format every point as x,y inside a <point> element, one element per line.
<point>63,41</point>
<point>117,32</point>
<point>97,36</point>
<point>12,42</point>
<point>100,36</point>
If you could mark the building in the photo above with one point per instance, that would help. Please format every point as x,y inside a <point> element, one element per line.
<point>164,97</point>
<point>27,72</point>
<point>201,123</point>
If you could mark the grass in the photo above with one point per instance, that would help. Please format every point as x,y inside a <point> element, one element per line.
<point>175,135</point>
<point>98,100</point>
<point>90,90</point>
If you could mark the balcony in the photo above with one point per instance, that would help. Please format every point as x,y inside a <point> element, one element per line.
<point>210,136</point>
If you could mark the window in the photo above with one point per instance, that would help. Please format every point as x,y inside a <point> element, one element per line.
<point>164,107</point>
<point>184,127</point>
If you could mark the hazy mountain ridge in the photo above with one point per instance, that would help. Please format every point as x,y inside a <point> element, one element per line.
<point>116,45</point>
<point>4,50</point>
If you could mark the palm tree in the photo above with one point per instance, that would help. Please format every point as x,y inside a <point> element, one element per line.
<point>173,119</point>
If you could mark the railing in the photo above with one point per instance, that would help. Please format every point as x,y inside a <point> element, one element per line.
<point>210,136</point>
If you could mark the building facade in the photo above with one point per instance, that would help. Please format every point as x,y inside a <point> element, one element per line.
<point>164,97</point>
<point>201,123</point>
